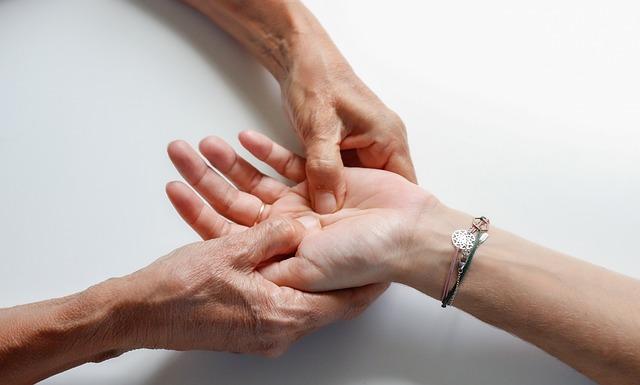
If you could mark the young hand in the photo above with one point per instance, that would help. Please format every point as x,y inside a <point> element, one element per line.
<point>357,245</point>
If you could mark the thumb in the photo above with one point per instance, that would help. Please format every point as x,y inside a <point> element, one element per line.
<point>298,273</point>
<point>325,175</point>
<point>270,238</point>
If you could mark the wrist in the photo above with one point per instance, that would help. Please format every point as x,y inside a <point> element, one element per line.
<point>136,309</point>
<point>428,255</point>
<point>110,310</point>
<point>307,46</point>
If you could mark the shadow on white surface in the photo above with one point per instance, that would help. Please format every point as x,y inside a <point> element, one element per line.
<point>373,349</point>
<point>243,75</point>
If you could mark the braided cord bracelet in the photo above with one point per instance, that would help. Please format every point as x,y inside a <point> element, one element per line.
<point>465,243</point>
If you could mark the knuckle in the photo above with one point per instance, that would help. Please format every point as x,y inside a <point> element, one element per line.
<point>322,164</point>
<point>288,162</point>
<point>239,244</point>
<point>324,170</point>
<point>227,199</point>
<point>390,119</point>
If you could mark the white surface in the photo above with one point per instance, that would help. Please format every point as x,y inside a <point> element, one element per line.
<point>541,96</point>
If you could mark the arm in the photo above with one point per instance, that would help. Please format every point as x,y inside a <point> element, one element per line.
<point>330,108</point>
<point>204,296</point>
<point>583,314</point>
<point>41,339</point>
<point>272,30</point>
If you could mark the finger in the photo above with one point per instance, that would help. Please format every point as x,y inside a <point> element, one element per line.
<point>246,177</point>
<point>329,307</point>
<point>235,205</point>
<point>285,162</point>
<point>298,273</point>
<point>198,215</point>
<point>268,239</point>
<point>325,174</point>
<point>400,163</point>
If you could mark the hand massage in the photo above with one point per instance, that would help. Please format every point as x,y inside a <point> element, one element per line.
<point>283,257</point>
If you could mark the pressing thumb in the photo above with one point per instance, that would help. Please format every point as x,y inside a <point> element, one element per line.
<point>325,175</point>
<point>277,236</point>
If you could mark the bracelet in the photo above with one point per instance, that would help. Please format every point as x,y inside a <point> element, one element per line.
<point>465,243</point>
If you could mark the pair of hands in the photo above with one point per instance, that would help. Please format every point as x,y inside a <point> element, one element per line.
<point>352,247</point>
<point>248,288</point>
<point>230,292</point>
<point>340,121</point>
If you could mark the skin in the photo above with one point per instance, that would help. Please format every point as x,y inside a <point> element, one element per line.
<point>335,115</point>
<point>239,291</point>
<point>207,296</point>
<point>583,314</point>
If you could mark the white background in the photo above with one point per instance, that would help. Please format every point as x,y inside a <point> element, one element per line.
<point>527,112</point>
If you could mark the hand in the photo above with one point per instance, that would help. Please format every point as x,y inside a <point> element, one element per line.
<point>360,244</point>
<point>329,107</point>
<point>208,295</point>
<point>332,110</point>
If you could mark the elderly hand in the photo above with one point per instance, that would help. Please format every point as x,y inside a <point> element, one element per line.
<point>352,247</point>
<point>208,295</point>
<point>329,107</point>
<point>332,110</point>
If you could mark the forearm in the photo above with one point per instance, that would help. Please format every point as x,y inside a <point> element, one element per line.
<point>584,315</point>
<point>41,339</point>
<point>277,32</point>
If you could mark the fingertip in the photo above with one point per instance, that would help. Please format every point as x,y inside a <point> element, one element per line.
<point>325,202</point>
<point>212,144</point>
<point>293,272</point>
<point>179,193</point>
<point>218,151</point>
<point>172,187</point>
<point>176,148</point>
<point>245,135</point>
<point>256,143</point>
<point>183,157</point>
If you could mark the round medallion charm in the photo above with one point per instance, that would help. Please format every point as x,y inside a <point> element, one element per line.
<point>463,239</point>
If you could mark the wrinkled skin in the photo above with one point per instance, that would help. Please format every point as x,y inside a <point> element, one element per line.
<point>351,247</point>
<point>209,296</point>
<point>337,117</point>
<point>332,110</point>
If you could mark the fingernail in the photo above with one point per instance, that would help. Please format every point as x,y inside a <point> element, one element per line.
<point>325,202</point>
<point>309,222</point>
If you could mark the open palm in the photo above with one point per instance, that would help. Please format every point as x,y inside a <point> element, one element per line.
<point>350,247</point>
